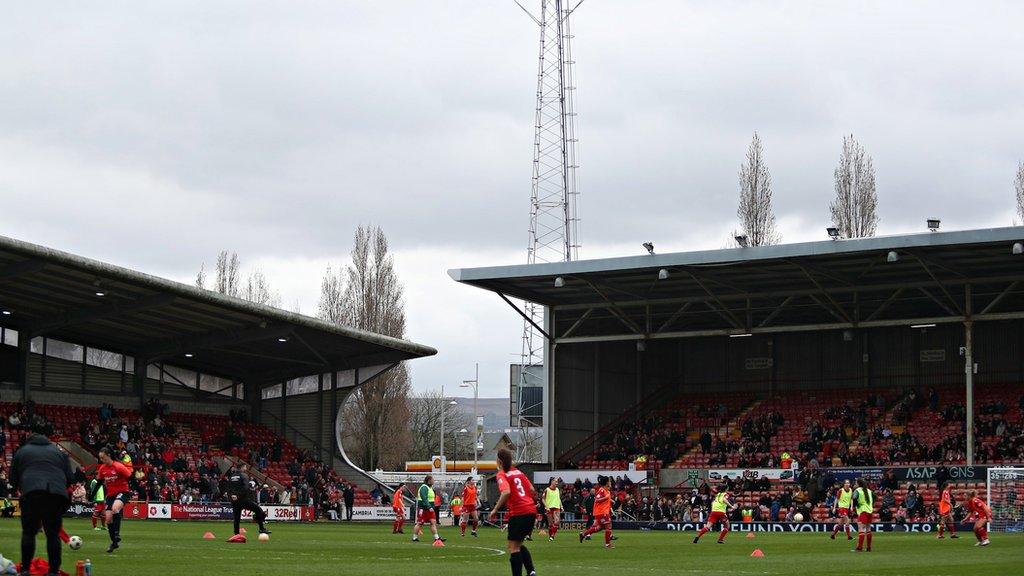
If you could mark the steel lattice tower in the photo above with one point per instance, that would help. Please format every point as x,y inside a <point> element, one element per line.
<point>553,217</point>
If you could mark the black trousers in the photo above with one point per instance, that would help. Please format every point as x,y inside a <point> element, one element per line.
<point>348,508</point>
<point>257,513</point>
<point>42,510</point>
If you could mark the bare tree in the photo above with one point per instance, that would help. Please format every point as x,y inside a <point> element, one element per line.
<point>368,295</point>
<point>1018,186</point>
<point>529,445</point>
<point>258,290</point>
<point>757,218</point>
<point>227,279</point>
<point>425,411</point>
<point>855,208</point>
<point>201,276</point>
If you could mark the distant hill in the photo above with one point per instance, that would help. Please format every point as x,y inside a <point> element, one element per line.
<point>494,411</point>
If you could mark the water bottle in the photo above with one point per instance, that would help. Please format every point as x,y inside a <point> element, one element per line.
<point>88,567</point>
<point>80,568</point>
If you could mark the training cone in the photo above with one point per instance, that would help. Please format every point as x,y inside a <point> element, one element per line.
<point>438,544</point>
<point>237,539</point>
<point>209,536</point>
<point>757,553</point>
<point>242,531</point>
<point>750,535</point>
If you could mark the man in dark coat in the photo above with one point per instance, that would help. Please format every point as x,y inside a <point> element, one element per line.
<point>350,499</point>
<point>243,497</point>
<point>42,473</point>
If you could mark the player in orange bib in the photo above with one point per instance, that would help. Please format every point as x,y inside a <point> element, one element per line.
<point>981,514</point>
<point>398,506</point>
<point>602,512</point>
<point>946,512</point>
<point>469,504</point>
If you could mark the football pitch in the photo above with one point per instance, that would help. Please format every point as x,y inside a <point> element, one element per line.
<point>177,548</point>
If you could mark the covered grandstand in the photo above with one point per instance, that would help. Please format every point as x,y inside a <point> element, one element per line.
<point>77,333</point>
<point>719,337</point>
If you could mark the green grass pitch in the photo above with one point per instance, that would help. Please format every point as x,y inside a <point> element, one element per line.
<point>177,548</point>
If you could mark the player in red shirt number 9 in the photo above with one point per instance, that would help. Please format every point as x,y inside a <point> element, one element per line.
<point>517,494</point>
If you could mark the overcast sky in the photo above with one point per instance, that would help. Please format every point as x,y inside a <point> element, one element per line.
<point>152,135</point>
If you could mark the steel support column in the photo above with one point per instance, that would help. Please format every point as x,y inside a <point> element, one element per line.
<point>139,368</point>
<point>24,353</point>
<point>969,374</point>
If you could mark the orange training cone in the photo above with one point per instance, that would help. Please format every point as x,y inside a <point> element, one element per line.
<point>438,544</point>
<point>241,531</point>
<point>757,554</point>
<point>237,539</point>
<point>209,536</point>
<point>750,535</point>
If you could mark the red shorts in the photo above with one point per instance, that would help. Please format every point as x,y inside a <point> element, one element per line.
<point>550,510</point>
<point>847,512</point>
<point>399,512</point>
<point>425,515</point>
<point>864,518</point>
<point>603,520</point>
<point>99,507</point>
<point>717,517</point>
<point>468,508</point>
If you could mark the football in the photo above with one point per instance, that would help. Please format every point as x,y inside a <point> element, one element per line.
<point>74,542</point>
<point>264,537</point>
<point>798,517</point>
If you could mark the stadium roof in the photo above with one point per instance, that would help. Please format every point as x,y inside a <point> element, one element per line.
<point>46,292</point>
<point>810,285</point>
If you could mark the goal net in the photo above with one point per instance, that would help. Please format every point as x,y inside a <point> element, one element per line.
<point>1006,498</point>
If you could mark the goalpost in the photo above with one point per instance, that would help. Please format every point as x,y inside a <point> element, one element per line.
<point>1006,498</point>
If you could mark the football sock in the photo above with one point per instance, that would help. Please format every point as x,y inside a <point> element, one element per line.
<point>524,554</point>
<point>860,541</point>
<point>942,528</point>
<point>517,563</point>
<point>869,540</point>
<point>952,527</point>
<point>721,535</point>
<point>608,535</point>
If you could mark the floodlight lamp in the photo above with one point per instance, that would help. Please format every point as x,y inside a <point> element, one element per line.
<point>1018,248</point>
<point>663,274</point>
<point>933,224</point>
<point>650,247</point>
<point>833,232</point>
<point>559,282</point>
<point>742,240</point>
<point>892,256</point>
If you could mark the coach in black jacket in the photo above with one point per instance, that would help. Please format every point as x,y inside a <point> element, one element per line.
<point>42,473</point>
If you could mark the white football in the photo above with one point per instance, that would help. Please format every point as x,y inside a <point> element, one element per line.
<point>798,517</point>
<point>74,542</point>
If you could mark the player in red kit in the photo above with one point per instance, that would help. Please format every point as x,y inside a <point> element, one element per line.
<point>517,494</point>
<point>469,504</point>
<point>981,514</point>
<point>398,506</point>
<point>946,512</point>
<point>114,476</point>
<point>602,512</point>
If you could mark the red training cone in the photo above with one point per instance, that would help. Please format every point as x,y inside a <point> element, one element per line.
<point>209,536</point>
<point>750,535</point>
<point>242,531</point>
<point>237,539</point>
<point>757,554</point>
<point>438,544</point>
